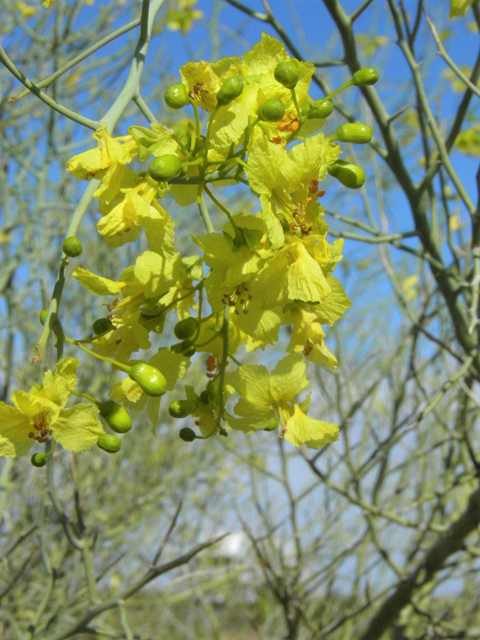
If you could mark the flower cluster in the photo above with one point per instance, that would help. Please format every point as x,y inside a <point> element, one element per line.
<point>262,270</point>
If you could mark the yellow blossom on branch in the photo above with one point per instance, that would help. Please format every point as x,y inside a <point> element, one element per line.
<point>266,396</point>
<point>40,415</point>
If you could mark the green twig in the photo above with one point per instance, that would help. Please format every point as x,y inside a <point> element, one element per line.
<point>207,221</point>
<point>72,63</point>
<point>41,95</point>
<point>223,365</point>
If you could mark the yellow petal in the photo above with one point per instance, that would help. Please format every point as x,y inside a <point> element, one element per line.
<point>155,273</point>
<point>97,284</point>
<point>276,234</point>
<point>128,390</point>
<point>288,379</point>
<point>305,278</point>
<point>269,287</point>
<point>185,194</point>
<point>315,349</point>
<point>94,162</point>
<point>14,430</point>
<point>300,430</point>
<point>32,404</point>
<point>263,325</point>
<point>57,387</point>
<point>265,160</point>
<point>153,409</point>
<point>251,417</point>
<point>159,227</point>
<point>265,54</point>
<point>308,161</point>
<point>228,128</point>
<point>78,428</point>
<point>118,225</point>
<point>252,382</point>
<point>334,305</point>
<point>111,183</point>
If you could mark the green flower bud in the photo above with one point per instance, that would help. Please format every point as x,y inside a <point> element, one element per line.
<point>116,416</point>
<point>204,397</point>
<point>185,328</point>
<point>187,435</point>
<point>176,96</point>
<point>286,73</point>
<point>186,348</point>
<point>272,426</point>
<point>354,132</point>
<point>165,167</point>
<point>39,459</point>
<point>109,443</point>
<point>318,109</point>
<point>230,90</point>
<point>182,408</point>
<point>367,75</point>
<point>149,379</point>
<point>101,325</point>
<point>42,316</point>
<point>72,247</point>
<point>212,391</point>
<point>272,110</point>
<point>349,174</point>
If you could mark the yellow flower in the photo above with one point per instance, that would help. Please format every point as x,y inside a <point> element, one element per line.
<point>266,396</point>
<point>460,7</point>
<point>111,155</point>
<point>182,293</point>
<point>183,16</point>
<point>292,274</point>
<point>26,10</point>
<point>40,415</point>
<point>234,258</point>
<point>202,84</point>
<point>273,171</point>
<point>308,338</point>
<point>132,208</point>
<point>142,288</point>
<point>287,184</point>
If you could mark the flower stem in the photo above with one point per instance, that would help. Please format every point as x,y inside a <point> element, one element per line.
<point>207,221</point>
<point>115,363</point>
<point>295,102</point>
<point>334,93</point>
<point>197,127</point>
<point>221,385</point>
<point>86,396</point>
<point>205,154</point>
<point>220,206</point>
